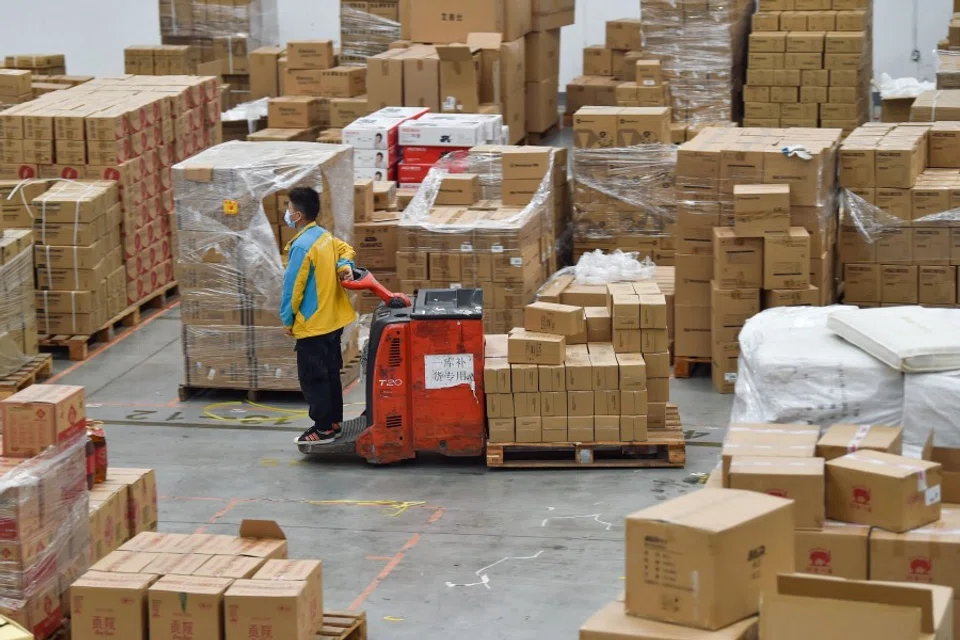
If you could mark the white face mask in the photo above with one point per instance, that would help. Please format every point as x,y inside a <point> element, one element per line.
<point>288,218</point>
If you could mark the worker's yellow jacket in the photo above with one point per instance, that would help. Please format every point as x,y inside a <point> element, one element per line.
<point>313,302</point>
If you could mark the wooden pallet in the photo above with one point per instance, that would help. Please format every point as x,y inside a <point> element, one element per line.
<point>35,369</point>
<point>662,448</point>
<point>343,625</point>
<point>685,367</point>
<point>348,374</point>
<point>534,138</point>
<point>78,346</point>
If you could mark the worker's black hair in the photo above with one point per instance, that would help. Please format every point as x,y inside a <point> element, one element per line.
<point>306,201</point>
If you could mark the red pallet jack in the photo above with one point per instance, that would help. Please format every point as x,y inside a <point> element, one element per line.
<point>424,377</point>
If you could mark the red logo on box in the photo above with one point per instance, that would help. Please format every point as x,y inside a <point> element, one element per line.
<point>819,561</point>
<point>921,568</point>
<point>780,493</point>
<point>861,496</point>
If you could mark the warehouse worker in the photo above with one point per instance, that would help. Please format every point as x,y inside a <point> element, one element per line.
<point>315,309</point>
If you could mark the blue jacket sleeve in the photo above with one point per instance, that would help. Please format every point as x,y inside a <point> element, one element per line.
<point>296,257</point>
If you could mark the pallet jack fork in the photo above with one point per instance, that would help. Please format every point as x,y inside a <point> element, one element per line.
<point>424,377</point>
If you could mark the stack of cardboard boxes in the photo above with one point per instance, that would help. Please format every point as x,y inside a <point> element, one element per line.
<point>367,28</point>
<point>761,262</point>
<point>18,318</point>
<point>785,480</point>
<point>948,70</point>
<point>376,218</point>
<point>583,371</point>
<point>79,256</point>
<point>222,35</point>
<point>228,263</point>
<point>709,169</point>
<point>15,86</point>
<point>130,130</point>
<point>489,226</point>
<point>44,528</point>
<point>161,585</point>
<point>42,64</point>
<point>122,507</point>
<point>161,60</point>
<point>702,51</point>
<point>941,105</point>
<point>378,150</point>
<point>542,50</point>
<point>893,247</point>
<point>423,141</point>
<point>810,64</point>
<point>623,197</point>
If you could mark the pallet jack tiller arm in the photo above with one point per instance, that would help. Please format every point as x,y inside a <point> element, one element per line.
<point>363,280</point>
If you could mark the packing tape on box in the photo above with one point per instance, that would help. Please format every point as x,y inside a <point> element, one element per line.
<point>793,432</point>
<point>921,479</point>
<point>858,437</point>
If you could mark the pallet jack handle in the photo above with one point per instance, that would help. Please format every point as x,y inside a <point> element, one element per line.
<point>363,280</point>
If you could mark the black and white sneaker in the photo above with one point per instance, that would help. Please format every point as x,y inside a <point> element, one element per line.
<point>315,436</point>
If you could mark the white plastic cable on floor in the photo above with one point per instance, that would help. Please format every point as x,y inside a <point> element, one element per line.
<point>910,338</point>
<point>793,369</point>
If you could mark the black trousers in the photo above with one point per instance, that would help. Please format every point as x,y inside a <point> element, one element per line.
<point>318,365</point>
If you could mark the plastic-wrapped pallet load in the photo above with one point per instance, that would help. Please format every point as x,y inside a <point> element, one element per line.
<point>931,404</point>
<point>703,53</point>
<point>228,264</point>
<point>232,28</point>
<point>18,323</point>
<point>793,369</point>
<point>367,29</point>
<point>484,218</point>
<point>44,534</point>
<point>624,198</point>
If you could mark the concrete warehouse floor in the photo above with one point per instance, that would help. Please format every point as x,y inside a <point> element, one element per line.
<point>479,553</point>
<point>486,553</point>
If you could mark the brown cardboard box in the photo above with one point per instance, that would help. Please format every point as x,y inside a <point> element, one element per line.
<point>862,282</point>
<point>439,21</point>
<point>950,461</point>
<point>553,404</point>
<point>524,378</point>
<point>797,479</point>
<point>543,54</point>
<point>459,189</point>
<point>768,440</point>
<point>653,311</point>
<point>685,568</point>
<point>552,377</point>
<point>633,371</point>
<point>786,260</point>
<point>737,262</point>
<point>496,376</point>
<point>924,555</point>
<point>278,607</point>
<point>309,571</point>
<point>599,324</point>
<point>692,331</point>
<point>502,429</point>
<point>731,310</point>
<point>294,112</point>
<point>529,429</point>
<point>899,284</point>
<point>816,607</point>
<point>579,370</point>
<point>840,550</point>
<point>535,348</point>
<point>580,429</point>
<point>613,623</point>
<point>385,79</point>
<point>580,404</point>
<point>264,72</point>
<point>840,439</point>
<point>526,405</point>
<point>310,54</point>
<point>377,243</point>
<point>595,127</point>
<point>883,490</point>
<point>724,359</point>
<point>178,603</point>
<point>643,125</point>
<point>761,209</point>
<point>625,311</point>
<point>559,319</point>
<point>39,416</point>
<point>597,61</point>
<point>120,597</point>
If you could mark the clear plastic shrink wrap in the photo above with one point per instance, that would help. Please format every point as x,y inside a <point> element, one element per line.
<point>44,533</point>
<point>223,29</point>
<point>229,268</point>
<point>624,198</point>
<point>18,332</point>
<point>703,49</point>
<point>793,369</point>
<point>507,250</point>
<point>364,33</point>
<point>931,404</point>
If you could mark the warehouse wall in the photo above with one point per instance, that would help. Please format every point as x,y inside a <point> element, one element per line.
<point>93,34</point>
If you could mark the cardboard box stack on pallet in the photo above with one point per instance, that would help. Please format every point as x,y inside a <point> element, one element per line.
<point>80,257</point>
<point>44,525</point>
<point>844,506</point>
<point>489,225</point>
<point>710,168</point>
<point>228,264</point>
<point>316,93</point>
<point>894,247</point>
<point>222,33</point>
<point>593,369</point>
<point>15,86</point>
<point>41,64</point>
<point>810,64</point>
<point>702,52</point>
<point>169,585</point>
<point>129,130</point>
<point>367,28</point>
<point>24,77</point>
<point>18,317</point>
<point>623,195</point>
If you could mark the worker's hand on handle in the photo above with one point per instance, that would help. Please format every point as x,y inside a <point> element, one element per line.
<point>288,331</point>
<point>346,274</point>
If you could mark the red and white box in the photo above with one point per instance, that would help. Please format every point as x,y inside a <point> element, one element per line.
<point>376,158</point>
